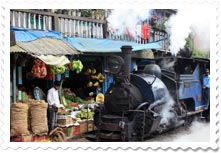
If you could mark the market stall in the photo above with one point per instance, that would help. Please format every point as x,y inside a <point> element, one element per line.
<point>45,60</point>
<point>75,118</point>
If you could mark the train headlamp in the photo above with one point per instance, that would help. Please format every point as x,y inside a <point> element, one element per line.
<point>115,64</point>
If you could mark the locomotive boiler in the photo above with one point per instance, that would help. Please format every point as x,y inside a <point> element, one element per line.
<point>137,105</point>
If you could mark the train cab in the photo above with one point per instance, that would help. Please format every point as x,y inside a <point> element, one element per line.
<point>183,78</point>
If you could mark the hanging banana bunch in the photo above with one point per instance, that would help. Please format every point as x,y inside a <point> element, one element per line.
<point>97,78</point>
<point>87,72</point>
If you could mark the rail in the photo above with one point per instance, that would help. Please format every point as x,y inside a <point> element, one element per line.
<point>72,25</point>
<point>68,25</point>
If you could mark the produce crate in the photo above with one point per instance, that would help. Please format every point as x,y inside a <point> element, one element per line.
<point>68,131</point>
<point>22,138</point>
<point>71,131</point>
<point>86,126</point>
<point>43,137</point>
<point>63,120</point>
<point>76,130</point>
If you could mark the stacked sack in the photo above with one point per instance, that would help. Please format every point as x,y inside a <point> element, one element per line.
<point>29,118</point>
<point>19,119</point>
<point>38,116</point>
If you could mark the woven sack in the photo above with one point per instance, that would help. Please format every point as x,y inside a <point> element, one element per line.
<point>38,114</point>
<point>19,119</point>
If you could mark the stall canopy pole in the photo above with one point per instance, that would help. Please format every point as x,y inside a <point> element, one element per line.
<point>14,77</point>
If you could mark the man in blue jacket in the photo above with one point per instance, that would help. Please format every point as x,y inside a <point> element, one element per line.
<point>206,86</point>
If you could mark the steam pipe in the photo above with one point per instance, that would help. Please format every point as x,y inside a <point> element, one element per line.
<point>126,52</point>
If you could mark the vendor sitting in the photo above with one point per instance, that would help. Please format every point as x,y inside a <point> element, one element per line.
<point>37,92</point>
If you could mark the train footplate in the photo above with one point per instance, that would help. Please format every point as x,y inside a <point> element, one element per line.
<point>111,122</point>
<point>110,135</point>
<point>110,128</point>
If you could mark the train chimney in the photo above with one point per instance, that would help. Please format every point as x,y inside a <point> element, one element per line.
<point>126,52</point>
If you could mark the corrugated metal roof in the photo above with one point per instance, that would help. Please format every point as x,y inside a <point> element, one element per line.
<point>16,48</point>
<point>47,46</point>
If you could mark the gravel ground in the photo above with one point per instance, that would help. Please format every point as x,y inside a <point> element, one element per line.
<point>198,131</point>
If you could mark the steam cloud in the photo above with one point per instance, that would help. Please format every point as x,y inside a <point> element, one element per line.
<point>167,115</point>
<point>195,133</point>
<point>167,64</point>
<point>126,20</point>
<point>187,22</point>
<point>194,22</point>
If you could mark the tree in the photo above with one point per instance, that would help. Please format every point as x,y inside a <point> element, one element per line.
<point>195,52</point>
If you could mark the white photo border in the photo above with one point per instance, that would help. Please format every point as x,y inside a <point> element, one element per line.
<point>213,6</point>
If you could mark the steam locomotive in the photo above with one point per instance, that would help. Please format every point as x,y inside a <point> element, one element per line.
<point>148,102</point>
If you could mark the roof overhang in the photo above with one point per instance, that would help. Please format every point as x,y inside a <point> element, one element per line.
<point>46,46</point>
<point>54,60</point>
<point>106,46</point>
<point>50,51</point>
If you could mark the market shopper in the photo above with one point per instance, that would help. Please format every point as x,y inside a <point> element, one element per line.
<point>53,104</point>
<point>38,93</point>
<point>22,93</point>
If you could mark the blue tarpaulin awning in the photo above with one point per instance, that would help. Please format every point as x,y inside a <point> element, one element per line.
<point>85,45</point>
<point>26,35</point>
<point>89,45</point>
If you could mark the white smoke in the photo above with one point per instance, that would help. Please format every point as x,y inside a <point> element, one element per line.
<point>126,20</point>
<point>194,22</point>
<point>167,64</point>
<point>198,131</point>
<point>166,113</point>
<point>165,106</point>
<point>195,133</point>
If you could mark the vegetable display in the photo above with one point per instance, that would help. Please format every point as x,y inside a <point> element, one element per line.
<point>39,69</point>
<point>97,78</point>
<point>76,65</point>
<point>76,99</point>
<point>60,69</point>
<point>85,114</point>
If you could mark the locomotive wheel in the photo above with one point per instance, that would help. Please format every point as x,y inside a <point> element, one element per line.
<point>139,125</point>
<point>142,125</point>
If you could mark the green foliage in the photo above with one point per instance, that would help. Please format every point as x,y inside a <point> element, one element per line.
<point>196,52</point>
<point>85,12</point>
<point>75,99</point>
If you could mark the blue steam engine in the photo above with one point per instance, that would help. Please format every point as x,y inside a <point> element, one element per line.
<point>158,98</point>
